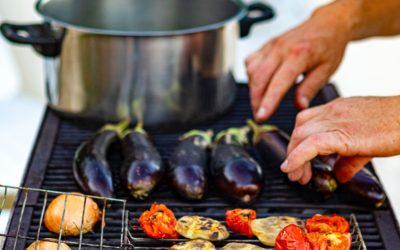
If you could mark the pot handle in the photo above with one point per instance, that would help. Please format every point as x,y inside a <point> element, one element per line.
<point>40,36</point>
<point>263,12</point>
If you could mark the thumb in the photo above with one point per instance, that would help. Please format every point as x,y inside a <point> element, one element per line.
<point>346,167</point>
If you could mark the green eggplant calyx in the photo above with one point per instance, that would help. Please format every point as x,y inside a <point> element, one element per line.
<point>332,185</point>
<point>234,135</point>
<point>137,129</point>
<point>205,135</point>
<point>260,129</point>
<point>118,128</point>
<point>140,194</point>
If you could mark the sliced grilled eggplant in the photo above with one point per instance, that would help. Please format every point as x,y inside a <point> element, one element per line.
<point>271,144</point>
<point>142,167</point>
<point>236,174</point>
<point>188,165</point>
<point>364,188</point>
<point>90,167</point>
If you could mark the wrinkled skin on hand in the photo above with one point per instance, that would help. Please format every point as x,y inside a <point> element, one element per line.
<point>313,49</point>
<point>355,128</point>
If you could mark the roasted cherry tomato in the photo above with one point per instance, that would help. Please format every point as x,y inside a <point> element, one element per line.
<point>292,237</point>
<point>317,242</point>
<point>239,220</point>
<point>159,222</point>
<point>327,224</point>
<point>329,241</point>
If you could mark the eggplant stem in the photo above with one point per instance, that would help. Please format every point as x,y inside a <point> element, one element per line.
<point>138,129</point>
<point>206,135</point>
<point>118,128</point>
<point>234,135</point>
<point>137,110</point>
<point>259,129</point>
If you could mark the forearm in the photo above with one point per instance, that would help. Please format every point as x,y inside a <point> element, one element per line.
<point>365,18</point>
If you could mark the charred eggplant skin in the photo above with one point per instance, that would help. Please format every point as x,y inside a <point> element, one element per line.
<point>236,174</point>
<point>271,144</point>
<point>142,167</point>
<point>363,189</point>
<point>188,165</point>
<point>90,167</point>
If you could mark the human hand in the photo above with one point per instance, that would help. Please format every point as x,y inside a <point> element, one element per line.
<point>314,49</point>
<point>356,129</point>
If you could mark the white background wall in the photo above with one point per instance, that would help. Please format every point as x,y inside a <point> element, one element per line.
<point>29,64</point>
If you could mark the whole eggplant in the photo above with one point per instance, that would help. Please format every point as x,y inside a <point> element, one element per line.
<point>90,167</point>
<point>364,188</point>
<point>142,167</point>
<point>322,185</point>
<point>271,144</point>
<point>236,174</point>
<point>188,165</point>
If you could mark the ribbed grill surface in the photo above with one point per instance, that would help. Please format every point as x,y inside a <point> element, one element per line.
<point>278,198</point>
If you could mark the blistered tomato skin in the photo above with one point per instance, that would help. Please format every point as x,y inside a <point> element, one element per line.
<point>329,241</point>
<point>292,237</point>
<point>239,221</point>
<point>327,224</point>
<point>159,222</point>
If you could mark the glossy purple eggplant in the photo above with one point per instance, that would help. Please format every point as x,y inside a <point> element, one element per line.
<point>271,144</point>
<point>188,165</point>
<point>236,174</point>
<point>322,185</point>
<point>90,167</point>
<point>142,167</point>
<point>363,189</point>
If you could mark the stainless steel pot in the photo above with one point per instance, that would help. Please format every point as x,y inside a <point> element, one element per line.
<point>168,62</point>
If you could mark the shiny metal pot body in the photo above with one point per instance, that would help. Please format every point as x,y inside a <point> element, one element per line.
<point>167,62</point>
<point>167,79</point>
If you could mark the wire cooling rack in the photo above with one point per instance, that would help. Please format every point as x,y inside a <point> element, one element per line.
<point>356,234</point>
<point>32,201</point>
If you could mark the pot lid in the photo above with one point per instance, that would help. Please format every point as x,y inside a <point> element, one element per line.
<point>141,17</point>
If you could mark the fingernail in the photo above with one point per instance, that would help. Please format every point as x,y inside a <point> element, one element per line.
<point>284,166</point>
<point>304,102</point>
<point>262,112</point>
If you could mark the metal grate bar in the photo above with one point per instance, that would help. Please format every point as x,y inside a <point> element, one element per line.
<point>20,218</point>
<point>60,137</point>
<point>81,229</point>
<point>36,235</point>
<point>3,201</point>
<point>41,219</point>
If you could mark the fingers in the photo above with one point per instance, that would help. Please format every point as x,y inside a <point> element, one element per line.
<point>346,167</point>
<point>260,78</point>
<point>310,86</point>
<point>307,175</point>
<point>317,144</point>
<point>301,132</point>
<point>296,174</point>
<point>281,81</point>
<point>308,114</point>
<point>255,58</point>
<point>253,61</point>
